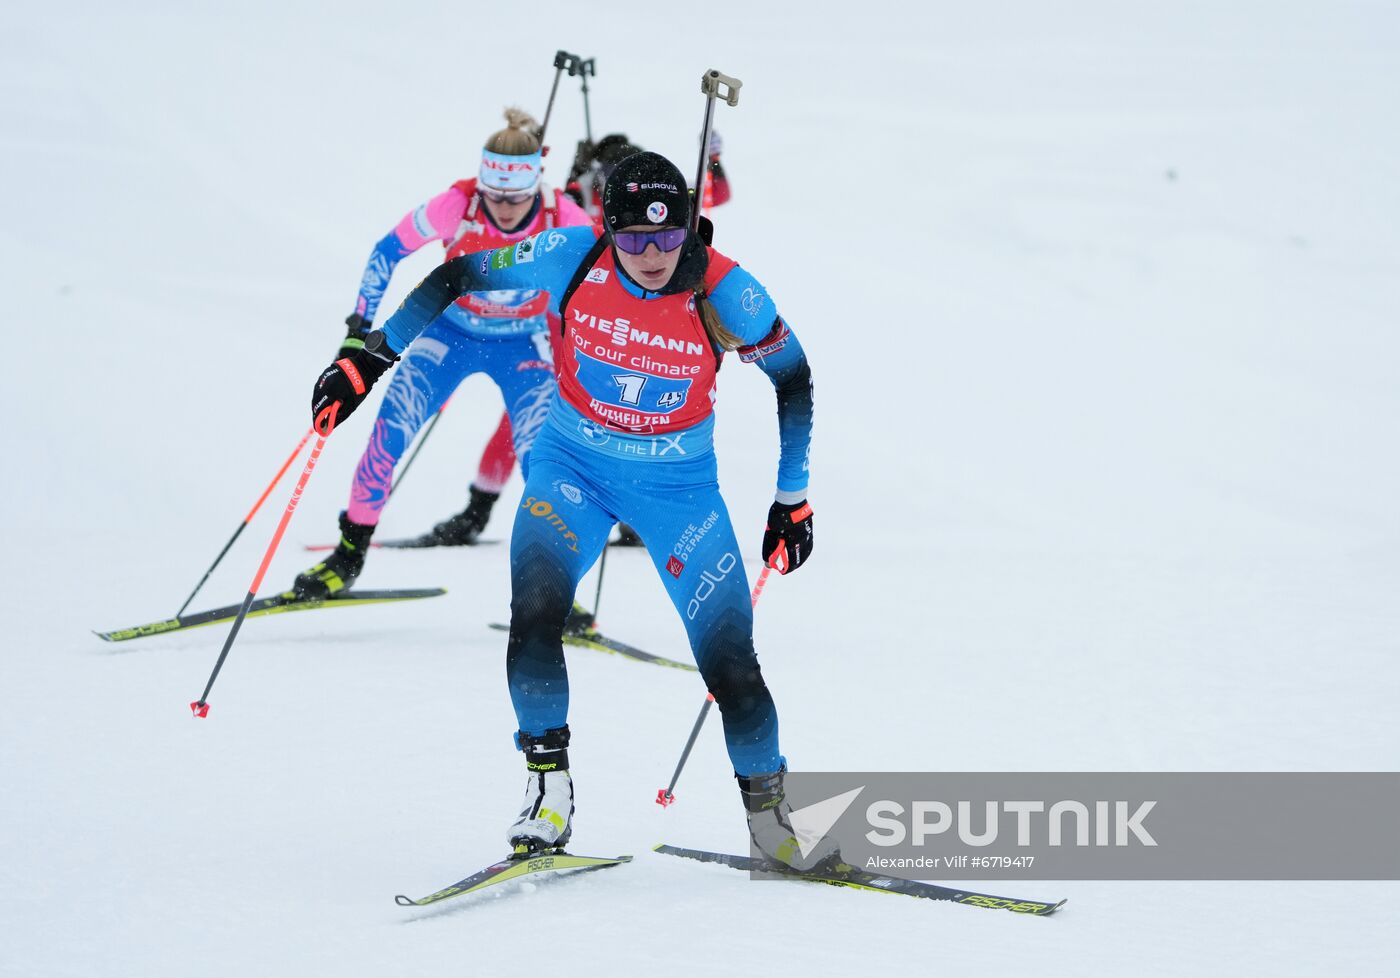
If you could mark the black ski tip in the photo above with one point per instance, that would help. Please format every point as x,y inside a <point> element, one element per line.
<point>105,636</point>
<point>404,901</point>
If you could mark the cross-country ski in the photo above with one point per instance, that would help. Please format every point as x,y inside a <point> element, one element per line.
<point>856,879</point>
<point>277,604</point>
<point>598,642</point>
<point>514,868</point>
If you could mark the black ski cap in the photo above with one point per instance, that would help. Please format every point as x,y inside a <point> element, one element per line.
<point>646,189</point>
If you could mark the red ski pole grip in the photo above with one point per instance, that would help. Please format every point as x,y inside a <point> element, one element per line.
<point>325,421</point>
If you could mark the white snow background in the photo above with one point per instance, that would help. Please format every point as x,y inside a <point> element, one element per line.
<point>1101,301</point>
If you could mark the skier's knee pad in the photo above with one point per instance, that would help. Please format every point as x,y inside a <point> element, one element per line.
<point>738,687</point>
<point>542,592</point>
<point>729,665</point>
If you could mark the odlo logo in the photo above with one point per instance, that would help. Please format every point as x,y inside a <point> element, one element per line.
<point>708,580</point>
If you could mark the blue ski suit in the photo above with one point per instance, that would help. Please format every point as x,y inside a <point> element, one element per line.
<point>629,436</point>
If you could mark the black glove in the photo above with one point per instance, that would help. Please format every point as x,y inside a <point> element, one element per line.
<point>787,542</point>
<point>354,341</point>
<point>348,381</point>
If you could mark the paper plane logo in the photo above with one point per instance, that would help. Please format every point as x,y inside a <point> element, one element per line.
<point>811,824</point>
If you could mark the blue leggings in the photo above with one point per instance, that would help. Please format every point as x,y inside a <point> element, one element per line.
<point>573,496</point>
<point>439,360</point>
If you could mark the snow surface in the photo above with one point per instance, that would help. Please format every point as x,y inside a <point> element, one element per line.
<point>1101,300</point>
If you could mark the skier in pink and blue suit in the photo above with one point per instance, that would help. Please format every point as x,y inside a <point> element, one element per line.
<point>502,332</point>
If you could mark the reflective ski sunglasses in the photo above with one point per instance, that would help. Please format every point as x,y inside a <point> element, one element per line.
<point>635,242</point>
<point>507,196</point>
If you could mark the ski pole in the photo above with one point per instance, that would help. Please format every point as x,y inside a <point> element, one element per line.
<point>323,425</point>
<point>563,61</point>
<point>587,69</point>
<point>710,85</point>
<point>403,472</point>
<point>247,519</point>
<point>665,796</point>
<point>602,566</point>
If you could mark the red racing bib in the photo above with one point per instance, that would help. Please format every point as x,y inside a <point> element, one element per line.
<point>639,365</point>
<point>477,233</point>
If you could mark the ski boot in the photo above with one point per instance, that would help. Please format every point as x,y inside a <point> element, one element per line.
<point>580,623</point>
<point>771,830</point>
<point>547,817</point>
<point>338,571</point>
<point>462,529</point>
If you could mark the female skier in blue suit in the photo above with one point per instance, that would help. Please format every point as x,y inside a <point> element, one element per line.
<point>647,312</point>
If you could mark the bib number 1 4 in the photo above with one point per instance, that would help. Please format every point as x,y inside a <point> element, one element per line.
<point>639,391</point>
<point>631,393</point>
